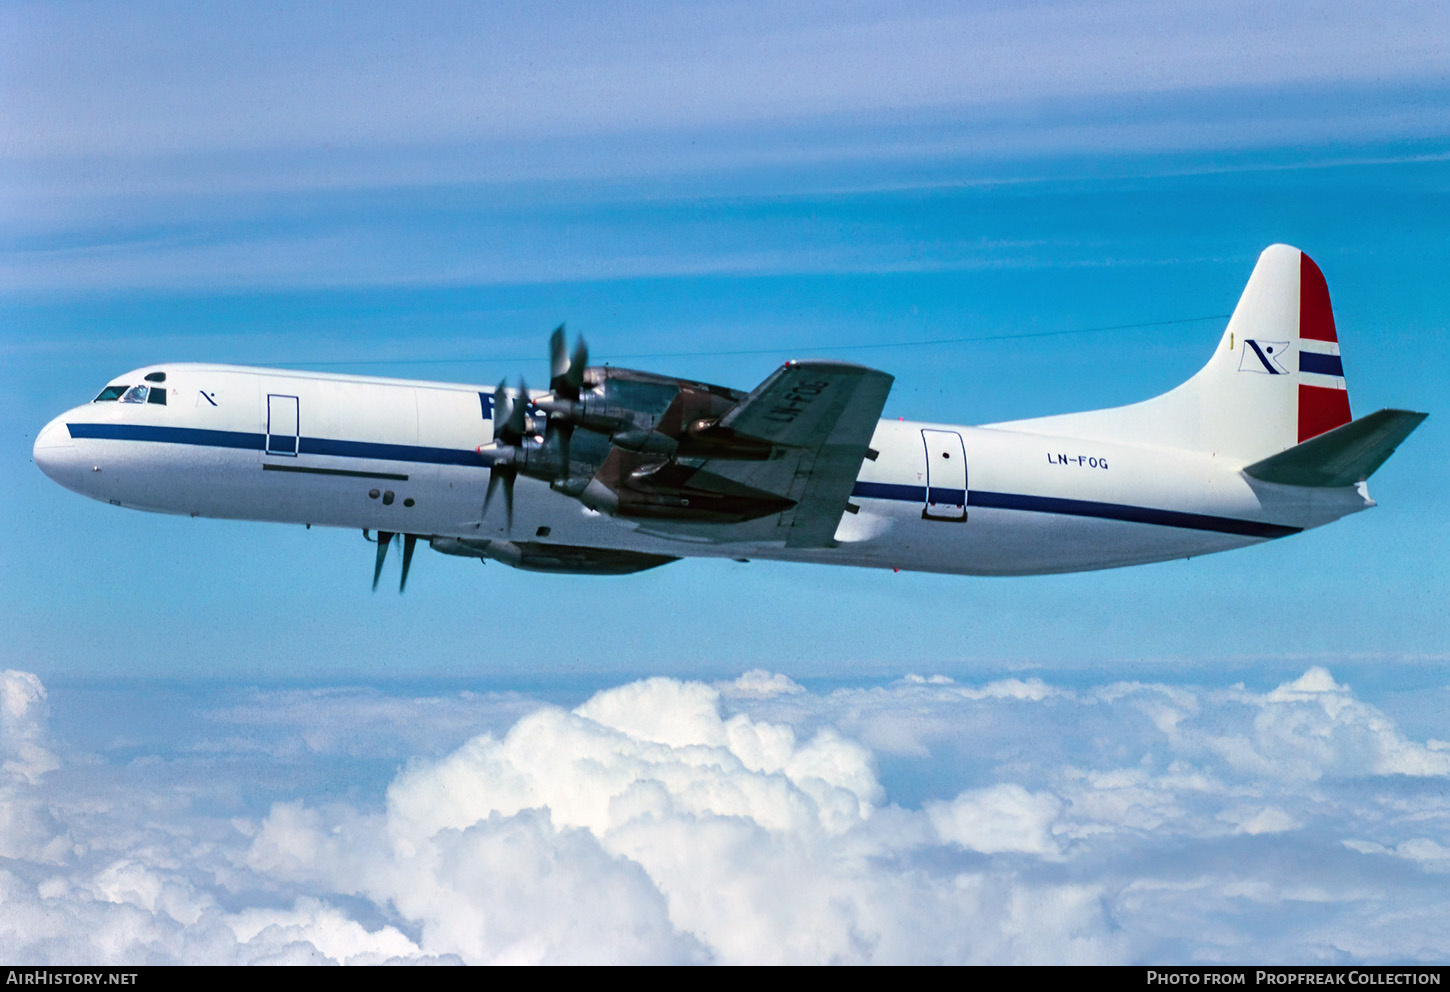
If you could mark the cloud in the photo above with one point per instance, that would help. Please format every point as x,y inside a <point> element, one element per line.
<point>751,822</point>
<point>760,684</point>
<point>998,819</point>
<point>1312,728</point>
<point>27,829</point>
<point>103,82</point>
<point>448,145</point>
<point>311,932</point>
<point>225,103</point>
<point>360,722</point>
<point>22,726</point>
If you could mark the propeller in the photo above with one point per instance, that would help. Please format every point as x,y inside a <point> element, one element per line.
<point>566,380</point>
<point>512,450</point>
<point>502,453</point>
<point>385,540</point>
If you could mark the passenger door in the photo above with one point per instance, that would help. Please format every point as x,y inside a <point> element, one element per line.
<point>283,425</point>
<point>946,476</point>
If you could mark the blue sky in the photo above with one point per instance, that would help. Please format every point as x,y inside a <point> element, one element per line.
<point>706,191</point>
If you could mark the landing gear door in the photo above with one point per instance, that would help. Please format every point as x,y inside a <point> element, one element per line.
<point>282,425</point>
<point>946,476</point>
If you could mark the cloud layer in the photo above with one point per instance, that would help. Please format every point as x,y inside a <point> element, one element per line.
<point>103,81</point>
<point>160,146</point>
<point>747,822</point>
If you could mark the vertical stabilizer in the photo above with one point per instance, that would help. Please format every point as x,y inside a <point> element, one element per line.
<point>1274,381</point>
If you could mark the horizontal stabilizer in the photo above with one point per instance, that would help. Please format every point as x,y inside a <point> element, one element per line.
<point>1343,456</point>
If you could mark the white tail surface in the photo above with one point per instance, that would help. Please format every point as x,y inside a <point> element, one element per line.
<point>1274,381</point>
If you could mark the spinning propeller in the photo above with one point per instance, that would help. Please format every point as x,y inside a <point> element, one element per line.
<point>512,449</point>
<point>510,421</point>
<point>566,379</point>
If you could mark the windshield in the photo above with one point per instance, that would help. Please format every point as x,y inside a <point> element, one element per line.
<point>134,394</point>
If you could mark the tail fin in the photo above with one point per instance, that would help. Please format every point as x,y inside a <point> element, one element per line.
<point>1274,381</point>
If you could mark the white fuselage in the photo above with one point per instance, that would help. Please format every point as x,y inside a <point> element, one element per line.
<point>401,456</point>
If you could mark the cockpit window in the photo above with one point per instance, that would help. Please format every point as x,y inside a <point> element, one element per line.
<point>133,394</point>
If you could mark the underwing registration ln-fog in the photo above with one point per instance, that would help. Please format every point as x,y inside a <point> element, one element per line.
<point>613,470</point>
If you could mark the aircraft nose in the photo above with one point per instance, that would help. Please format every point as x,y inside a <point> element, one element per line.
<point>53,446</point>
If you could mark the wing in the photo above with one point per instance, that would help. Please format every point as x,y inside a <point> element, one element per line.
<point>817,418</point>
<point>691,460</point>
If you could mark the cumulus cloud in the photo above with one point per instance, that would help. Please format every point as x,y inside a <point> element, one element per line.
<point>998,819</point>
<point>756,821</point>
<point>27,830</point>
<point>22,726</point>
<point>1308,728</point>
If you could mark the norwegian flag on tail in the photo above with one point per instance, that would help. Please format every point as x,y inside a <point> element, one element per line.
<point>1323,395</point>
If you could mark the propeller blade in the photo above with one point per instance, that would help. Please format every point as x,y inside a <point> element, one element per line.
<point>501,475</point>
<point>501,408</point>
<point>566,374</point>
<point>517,415</point>
<point>559,366</point>
<point>564,432</point>
<point>409,541</point>
<point>385,538</point>
<point>577,364</point>
<point>494,478</point>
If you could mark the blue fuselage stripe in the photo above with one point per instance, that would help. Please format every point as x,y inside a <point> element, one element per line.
<point>866,490</point>
<point>1083,508</point>
<point>890,490</point>
<point>1132,514</point>
<point>169,435</point>
<point>389,452</point>
<point>279,443</point>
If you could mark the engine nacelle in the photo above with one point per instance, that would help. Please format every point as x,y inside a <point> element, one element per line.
<point>535,556</point>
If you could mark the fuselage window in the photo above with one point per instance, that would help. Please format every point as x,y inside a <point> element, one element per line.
<point>155,376</point>
<point>110,393</point>
<point>136,394</point>
<point>158,395</point>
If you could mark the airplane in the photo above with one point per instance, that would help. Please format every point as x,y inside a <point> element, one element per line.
<point>613,471</point>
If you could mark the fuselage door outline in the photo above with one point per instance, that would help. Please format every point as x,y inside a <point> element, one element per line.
<point>946,476</point>
<point>283,426</point>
